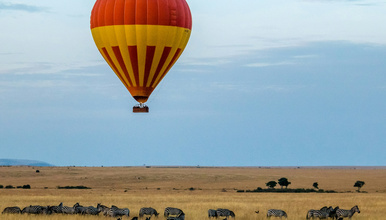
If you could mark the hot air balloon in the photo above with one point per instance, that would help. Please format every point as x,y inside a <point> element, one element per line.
<point>141,40</point>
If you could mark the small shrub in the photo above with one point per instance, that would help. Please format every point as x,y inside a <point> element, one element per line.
<point>1,186</point>
<point>9,187</point>
<point>26,186</point>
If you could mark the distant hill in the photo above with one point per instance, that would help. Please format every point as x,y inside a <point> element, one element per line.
<point>16,162</point>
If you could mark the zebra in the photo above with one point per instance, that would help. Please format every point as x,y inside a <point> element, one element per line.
<point>173,211</point>
<point>91,210</point>
<point>212,213</point>
<point>225,212</point>
<point>104,209</point>
<point>148,211</point>
<point>70,210</point>
<point>36,209</point>
<point>114,211</point>
<point>323,213</point>
<point>57,209</point>
<point>347,213</point>
<point>276,213</point>
<point>12,210</point>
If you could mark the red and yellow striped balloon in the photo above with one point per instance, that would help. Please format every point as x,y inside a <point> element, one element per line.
<point>141,39</point>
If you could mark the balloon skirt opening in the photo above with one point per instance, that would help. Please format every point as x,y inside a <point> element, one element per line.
<point>141,109</point>
<point>141,99</point>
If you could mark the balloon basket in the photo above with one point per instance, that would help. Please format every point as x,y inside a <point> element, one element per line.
<point>140,109</point>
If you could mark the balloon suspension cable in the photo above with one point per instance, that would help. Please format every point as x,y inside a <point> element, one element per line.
<point>140,108</point>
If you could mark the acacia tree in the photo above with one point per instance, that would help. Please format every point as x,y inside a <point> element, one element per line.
<point>271,184</point>
<point>316,185</point>
<point>359,184</point>
<point>283,182</point>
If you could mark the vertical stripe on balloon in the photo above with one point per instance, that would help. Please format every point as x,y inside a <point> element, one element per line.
<point>134,62</point>
<point>122,64</point>
<point>150,50</point>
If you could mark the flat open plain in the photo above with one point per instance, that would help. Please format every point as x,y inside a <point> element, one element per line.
<point>194,189</point>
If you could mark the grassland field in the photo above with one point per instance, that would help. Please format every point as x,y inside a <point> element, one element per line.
<point>194,190</point>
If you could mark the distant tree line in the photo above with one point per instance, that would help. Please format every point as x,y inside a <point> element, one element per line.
<point>18,187</point>
<point>283,182</point>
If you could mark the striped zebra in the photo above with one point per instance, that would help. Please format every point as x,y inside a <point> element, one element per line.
<point>342,213</point>
<point>57,209</point>
<point>104,209</point>
<point>317,214</point>
<point>276,213</point>
<point>148,211</point>
<point>91,210</point>
<point>32,210</point>
<point>12,210</point>
<point>225,213</point>
<point>37,209</point>
<point>173,211</point>
<point>323,213</point>
<point>114,211</point>
<point>70,210</point>
<point>212,213</point>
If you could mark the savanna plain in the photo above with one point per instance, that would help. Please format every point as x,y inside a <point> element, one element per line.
<point>193,189</point>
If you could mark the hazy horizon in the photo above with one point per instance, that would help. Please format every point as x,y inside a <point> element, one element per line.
<point>260,83</point>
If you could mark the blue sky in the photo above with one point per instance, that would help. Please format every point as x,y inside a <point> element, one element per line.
<point>261,83</point>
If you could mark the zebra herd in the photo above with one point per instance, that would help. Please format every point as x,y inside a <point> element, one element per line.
<point>323,213</point>
<point>75,209</point>
<point>171,213</point>
<point>113,211</point>
<point>334,213</point>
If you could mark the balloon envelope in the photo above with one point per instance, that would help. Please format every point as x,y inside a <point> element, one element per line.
<point>141,39</point>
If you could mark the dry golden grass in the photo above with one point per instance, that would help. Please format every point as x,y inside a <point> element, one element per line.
<point>136,187</point>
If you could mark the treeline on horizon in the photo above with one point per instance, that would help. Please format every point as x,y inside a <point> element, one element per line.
<point>298,190</point>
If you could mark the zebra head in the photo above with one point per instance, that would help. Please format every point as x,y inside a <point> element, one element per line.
<point>355,209</point>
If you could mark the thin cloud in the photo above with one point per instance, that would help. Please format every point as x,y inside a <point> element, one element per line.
<point>353,2</point>
<point>50,68</point>
<point>270,64</point>
<point>21,7</point>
